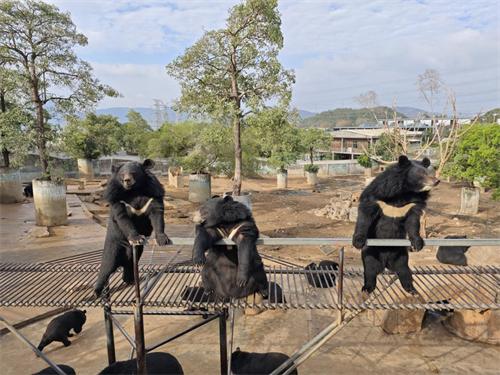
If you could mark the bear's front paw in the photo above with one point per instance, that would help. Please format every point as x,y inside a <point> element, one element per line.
<point>162,239</point>
<point>417,243</point>
<point>199,259</point>
<point>136,239</point>
<point>241,279</point>
<point>359,241</point>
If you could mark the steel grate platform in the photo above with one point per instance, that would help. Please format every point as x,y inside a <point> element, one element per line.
<point>439,287</point>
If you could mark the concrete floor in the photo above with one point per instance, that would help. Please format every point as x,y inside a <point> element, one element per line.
<point>360,348</point>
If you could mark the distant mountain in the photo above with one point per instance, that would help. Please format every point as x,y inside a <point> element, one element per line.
<point>491,116</point>
<point>306,114</point>
<point>412,112</point>
<point>349,117</point>
<point>148,114</point>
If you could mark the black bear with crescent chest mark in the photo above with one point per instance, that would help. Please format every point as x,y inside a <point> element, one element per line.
<point>390,207</point>
<point>135,197</point>
<point>228,271</point>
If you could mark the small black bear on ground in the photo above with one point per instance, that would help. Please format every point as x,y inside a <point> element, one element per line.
<point>453,254</point>
<point>325,277</point>
<point>28,190</point>
<point>50,371</point>
<point>136,204</point>
<point>68,370</point>
<point>59,328</point>
<point>257,363</point>
<point>390,207</point>
<point>228,271</point>
<point>156,363</point>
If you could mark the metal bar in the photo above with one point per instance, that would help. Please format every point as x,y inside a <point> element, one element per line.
<point>138,318</point>
<point>110,338</point>
<point>340,284</point>
<point>123,331</point>
<point>192,328</point>
<point>21,337</point>
<point>305,241</point>
<point>223,341</point>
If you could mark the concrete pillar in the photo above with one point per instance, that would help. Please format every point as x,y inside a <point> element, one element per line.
<point>85,168</point>
<point>49,198</point>
<point>199,188</point>
<point>469,201</point>
<point>282,179</point>
<point>11,187</point>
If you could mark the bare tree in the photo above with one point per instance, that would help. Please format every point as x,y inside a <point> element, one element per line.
<point>368,99</point>
<point>430,85</point>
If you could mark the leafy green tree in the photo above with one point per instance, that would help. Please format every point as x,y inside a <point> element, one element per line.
<point>174,140</point>
<point>231,72</point>
<point>279,138</point>
<point>15,135</point>
<point>135,134</point>
<point>91,137</point>
<point>365,161</point>
<point>38,41</point>
<point>477,156</point>
<point>313,140</point>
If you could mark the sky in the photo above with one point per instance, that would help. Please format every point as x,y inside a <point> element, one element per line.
<point>338,49</point>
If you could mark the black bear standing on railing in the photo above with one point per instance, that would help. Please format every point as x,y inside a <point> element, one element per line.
<point>390,207</point>
<point>228,271</point>
<point>136,208</point>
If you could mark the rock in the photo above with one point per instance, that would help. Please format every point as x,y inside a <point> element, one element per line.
<point>353,214</point>
<point>404,321</point>
<point>40,232</point>
<point>482,326</point>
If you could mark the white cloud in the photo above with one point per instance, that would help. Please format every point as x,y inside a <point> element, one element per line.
<point>337,48</point>
<point>138,84</point>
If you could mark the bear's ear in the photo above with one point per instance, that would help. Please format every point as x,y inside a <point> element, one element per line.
<point>403,161</point>
<point>426,162</point>
<point>114,169</point>
<point>84,311</point>
<point>148,164</point>
<point>228,198</point>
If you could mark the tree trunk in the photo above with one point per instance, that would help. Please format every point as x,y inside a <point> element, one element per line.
<point>5,152</point>
<point>237,155</point>
<point>236,126</point>
<point>6,158</point>
<point>40,126</point>
<point>311,155</point>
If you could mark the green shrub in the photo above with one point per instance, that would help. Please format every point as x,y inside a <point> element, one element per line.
<point>311,168</point>
<point>365,161</point>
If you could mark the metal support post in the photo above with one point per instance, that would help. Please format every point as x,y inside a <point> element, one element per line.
<point>340,285</point>
<point>138,319</point>
<point>110,338</point>
<point>223,341</point>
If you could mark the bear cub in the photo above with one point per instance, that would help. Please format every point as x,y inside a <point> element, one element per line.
<point>158,363</point>
<point>59,328</point>
<point>325,275</point>
<point>453,254</point>
<point>136,204</point>
<point>228,271</point>
<point>257,363</point>
<point>390,207</point>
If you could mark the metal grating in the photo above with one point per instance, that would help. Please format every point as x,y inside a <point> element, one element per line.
<point>440,287</point>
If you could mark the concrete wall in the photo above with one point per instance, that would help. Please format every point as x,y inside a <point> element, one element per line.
<point>329,168</point>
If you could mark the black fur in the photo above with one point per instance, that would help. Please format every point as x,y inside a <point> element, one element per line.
<point>402,183</point>
<point>229,271</point>
<point>133,184</point>
<point>453,254</point>
<point>257,363</point>
<point>325,278</point>
<point>59,328</point>
<point>197,294</point>
<point>50,371</point>
<point>28,190</point>
<point>156,363</point>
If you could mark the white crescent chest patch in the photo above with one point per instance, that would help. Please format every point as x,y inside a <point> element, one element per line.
<point>137,211</point>
<point>393,211</point>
